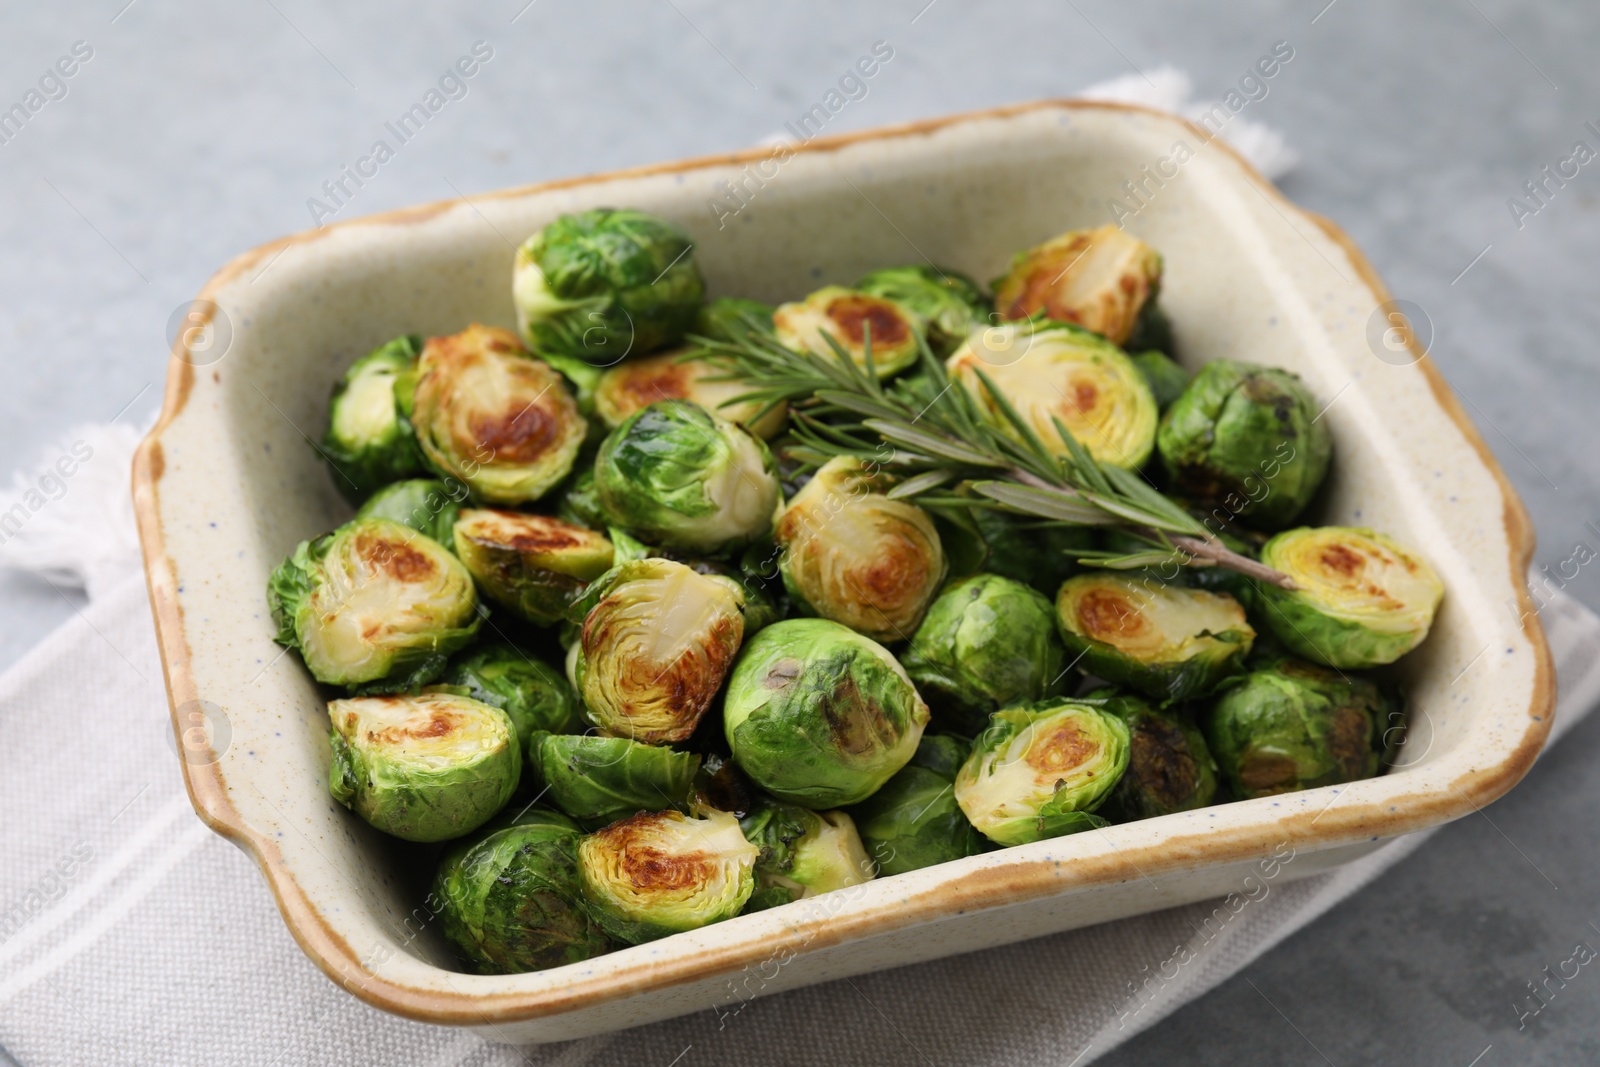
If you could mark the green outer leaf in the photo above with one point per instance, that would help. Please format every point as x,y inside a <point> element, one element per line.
<point>534,694</point>
<point>426,505</point>
<point>914,820</point>
<point>598,780</point>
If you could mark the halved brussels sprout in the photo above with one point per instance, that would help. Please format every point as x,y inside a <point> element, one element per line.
<point>680,477</point>
<point>1169,764</point>
<point>598,780</point>
<point>849,317</point>
<point>656,641</point>
<point>1166,641</point>
<point>367,442</point>
<point>1039,770</point>
<point>603,284</point>
<point>1246,438</point>
<point>949,302</point>
<point>509,899</point>
<point>427,505</point>
<point>914,820</point>
<point>661,873</point>
<point>728,319</point>
<point>819,715</point>
<point>853,555</point>
<point>1050,371</point>
<point>373,601</point>
<point>1036,552</point>
<point>427,767</point>
<point>986,642</point>
<point>1167,380</point>
<point>533,693</point>
<point>639,383</point>
<point>532,564</point>
<point>488,413</point>
<point>1291,725</point>
<point>803,853</point>
<point>1363,599</point>
<point>1099,279</point>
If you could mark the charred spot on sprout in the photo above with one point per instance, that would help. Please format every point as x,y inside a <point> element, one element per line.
<point>533,565</point>
<point>847,318</point>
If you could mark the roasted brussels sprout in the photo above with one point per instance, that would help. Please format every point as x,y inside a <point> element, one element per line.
<point>579,500</point>
<point>493,416</point>
<point>1152,331</point>
<point>1363,599</point>
<point>599,780</point>
<point>729,319</point>
<point>1052,371</point>
<point>656,641</point>
<point>534,694</point>
<point>1098,279</point>
<point>367,441</point>
<point>1169,764</point>
<point>532,564</point>
<point>1166,641</point>
<point>803,853</point>
<point>424,768</point>
<point>604,284</point>
<point>1246,438</point>
<point>680,477</point>
<point>849,317</point>
<point>427,505</point>
<point>819,715</point>
<point>659,873</point>
<point>509,899</point>
<point>373,601</point>
<point>986,642</point>
<point>853,555</point>
<point>949,302</point>
<point>1166,379</point>
<point>1039,770</point>
<point>914,820</point>
<point>1291,725</point>
<point>639,383</point>
<point>1035,552</point>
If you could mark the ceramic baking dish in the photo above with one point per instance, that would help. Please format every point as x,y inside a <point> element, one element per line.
<point>226,484</point>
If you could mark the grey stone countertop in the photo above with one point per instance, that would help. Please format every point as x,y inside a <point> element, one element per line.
<point>195,131</point>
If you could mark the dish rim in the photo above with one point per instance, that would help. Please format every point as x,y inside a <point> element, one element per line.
<point>980,889</point>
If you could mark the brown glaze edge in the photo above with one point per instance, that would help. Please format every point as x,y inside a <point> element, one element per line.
<point>979,890</point>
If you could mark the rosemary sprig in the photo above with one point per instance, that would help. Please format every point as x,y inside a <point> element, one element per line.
<point>933,433</point>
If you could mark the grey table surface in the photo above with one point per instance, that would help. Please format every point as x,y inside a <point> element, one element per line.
<point>195,131</point>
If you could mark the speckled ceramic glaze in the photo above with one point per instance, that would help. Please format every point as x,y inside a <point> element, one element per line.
<point>227,483</point>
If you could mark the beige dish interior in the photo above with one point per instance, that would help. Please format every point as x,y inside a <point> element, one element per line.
<point>227,484</point>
